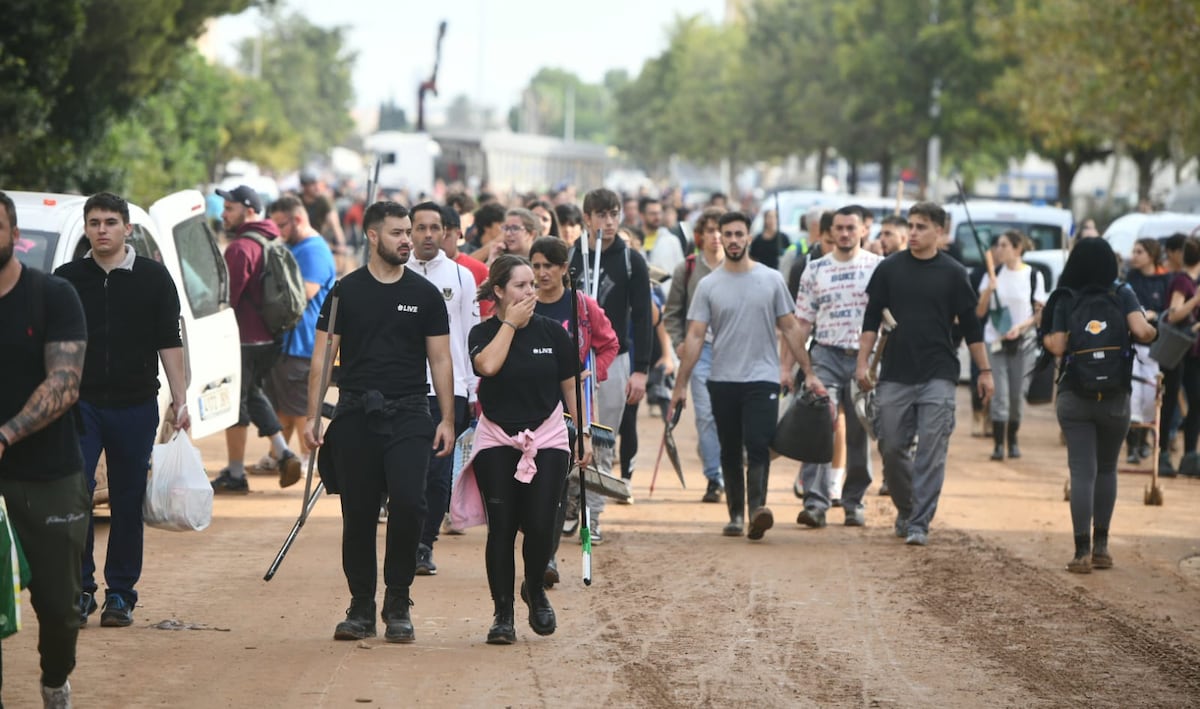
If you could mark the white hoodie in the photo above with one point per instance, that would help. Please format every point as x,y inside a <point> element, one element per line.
<point>457,287</point>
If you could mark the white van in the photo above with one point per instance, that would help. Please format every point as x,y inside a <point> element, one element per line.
<point>176,234</point>
<point>1127,229</point>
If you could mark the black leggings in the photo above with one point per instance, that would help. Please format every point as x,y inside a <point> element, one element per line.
<point>511,505</point>
<point>1186,376</point>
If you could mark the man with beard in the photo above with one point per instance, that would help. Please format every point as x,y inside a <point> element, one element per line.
<point>893,234</point>
<point>665,249</point>
<point>42,342</point>
<point>457,288</point>
<point>244,258</point>
<point>389,322</point>
<point>743,302</point>
<point>830,305</point>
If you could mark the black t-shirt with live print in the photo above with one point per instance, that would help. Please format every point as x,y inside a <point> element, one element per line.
<point>529,384</point>
<point>383,327</point>
<point>53,452</point>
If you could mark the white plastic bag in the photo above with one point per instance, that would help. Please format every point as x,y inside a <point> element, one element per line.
<point>179,496</point>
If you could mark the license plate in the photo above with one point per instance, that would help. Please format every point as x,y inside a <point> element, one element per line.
<point>215,402</point>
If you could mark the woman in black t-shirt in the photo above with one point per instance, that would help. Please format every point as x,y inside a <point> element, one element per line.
<point>527,366</point>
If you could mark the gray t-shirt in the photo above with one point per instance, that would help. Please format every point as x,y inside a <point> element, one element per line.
<point>741,310</point>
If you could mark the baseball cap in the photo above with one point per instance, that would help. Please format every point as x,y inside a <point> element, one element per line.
<point>450,218</point>
<point>243,194</point>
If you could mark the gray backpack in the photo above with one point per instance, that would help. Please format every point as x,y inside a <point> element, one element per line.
<point>283,296</point>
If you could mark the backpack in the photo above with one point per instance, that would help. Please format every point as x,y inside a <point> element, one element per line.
<point>283,296</point>
<point>1099,358</point>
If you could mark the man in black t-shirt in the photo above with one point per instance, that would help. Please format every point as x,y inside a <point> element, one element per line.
<point>42,345</point>
<point>389,321</point>
<point>925,290</point>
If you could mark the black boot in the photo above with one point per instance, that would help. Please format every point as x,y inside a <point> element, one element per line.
<point>1165,468</point>
<point>1101,559</point>
<point>1013,450</point>
<point>998,438</point>
<point>1082,563</point>
<point>541,614</point>
<point>736,504</point>
<point>396,616</point>
<point>359,622</point>
<point>502,631</point>
<point>761,518</point>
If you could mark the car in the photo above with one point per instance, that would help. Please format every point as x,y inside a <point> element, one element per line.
<point>1127,229</point>
<point>175,233</point>
<point>792,205</point>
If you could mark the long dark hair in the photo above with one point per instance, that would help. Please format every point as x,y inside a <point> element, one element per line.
<point>500,274</point>
<point>1091,263</point>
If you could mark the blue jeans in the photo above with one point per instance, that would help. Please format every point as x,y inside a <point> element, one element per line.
<point>706,425</point>
<point>126,435</point>
<point>439,475</point>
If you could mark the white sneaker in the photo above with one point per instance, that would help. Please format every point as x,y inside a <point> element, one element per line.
<point>448,528</point>
<point>59,698</point>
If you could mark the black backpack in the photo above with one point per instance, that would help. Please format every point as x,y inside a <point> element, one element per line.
<point>1099,358</point>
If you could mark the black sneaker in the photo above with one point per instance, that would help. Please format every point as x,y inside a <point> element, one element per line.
<point>117,613</point>
<point>713,493</point>
<point>810,517</point>
<point>87,606</point>
<point>359,623</point>
<point>226,484</point>
<point>551,576</point>
<point>425,565</point>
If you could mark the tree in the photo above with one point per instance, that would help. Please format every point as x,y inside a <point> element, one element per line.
<point>545,102</point>
<point>70,68</point>
<point>309,69</point>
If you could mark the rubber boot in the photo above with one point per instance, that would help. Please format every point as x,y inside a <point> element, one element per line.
<point>396,616</point>
<point>503,631</point>
<point>1082,563</point>
<point>735,501</point>
<point>1013,450</point>
<point>1101,559</point>
<point>761,518</point>
<point>998,437</point>
<point>359,622</point>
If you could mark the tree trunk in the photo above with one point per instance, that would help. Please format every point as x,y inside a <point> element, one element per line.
<point>1066,168</point>
<point>822,158</point>
<point>852,178</point>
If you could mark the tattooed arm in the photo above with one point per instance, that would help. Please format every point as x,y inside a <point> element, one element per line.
<point>54,396</point>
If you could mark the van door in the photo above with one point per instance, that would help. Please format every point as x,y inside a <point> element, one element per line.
<point>212,348</point>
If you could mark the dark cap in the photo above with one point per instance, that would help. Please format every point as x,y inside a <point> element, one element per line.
<point>450,218</point>
<point>242,194</point>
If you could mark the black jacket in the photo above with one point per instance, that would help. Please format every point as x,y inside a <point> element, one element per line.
<point>132,313</point>
<point>625,296</point>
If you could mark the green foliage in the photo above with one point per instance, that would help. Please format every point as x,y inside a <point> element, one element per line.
<point>309,69</point>
<point>690,100</point>
<point>547,96</point>
<point>70,68</point>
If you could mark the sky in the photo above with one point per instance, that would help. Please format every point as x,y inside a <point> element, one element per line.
<point>492,47</point>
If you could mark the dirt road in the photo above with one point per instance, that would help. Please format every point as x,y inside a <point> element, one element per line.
<point>680,616</point>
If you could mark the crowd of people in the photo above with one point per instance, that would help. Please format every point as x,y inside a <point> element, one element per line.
<point>512,321</point>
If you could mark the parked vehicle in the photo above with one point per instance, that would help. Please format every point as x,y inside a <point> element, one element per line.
<point>175,233</point>
<point>1124,231</point>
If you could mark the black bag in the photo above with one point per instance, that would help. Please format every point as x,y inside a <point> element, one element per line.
<point>1041,385</point>
<point>805,432</point>
<point>1174,341</point>
<point>1099,356</point>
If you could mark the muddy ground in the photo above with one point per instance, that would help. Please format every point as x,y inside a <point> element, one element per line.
<point>681,616</point>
